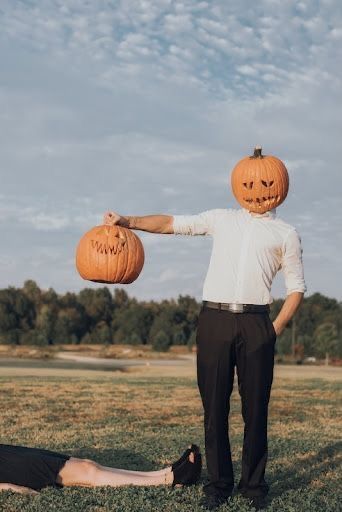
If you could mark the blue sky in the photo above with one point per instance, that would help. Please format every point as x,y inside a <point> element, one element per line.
<point>144,107</point>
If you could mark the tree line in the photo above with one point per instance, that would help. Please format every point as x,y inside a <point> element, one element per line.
<point>32,316</point>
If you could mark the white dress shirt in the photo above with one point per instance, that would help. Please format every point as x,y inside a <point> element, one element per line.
<point>248,250</point>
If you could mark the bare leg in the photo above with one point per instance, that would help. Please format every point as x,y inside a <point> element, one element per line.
<point>88,473</point>
<point>141,473</point>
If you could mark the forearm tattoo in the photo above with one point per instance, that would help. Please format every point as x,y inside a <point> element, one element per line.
<point>129,222</point>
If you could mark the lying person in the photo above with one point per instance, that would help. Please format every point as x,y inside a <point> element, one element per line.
<point>28,470</point>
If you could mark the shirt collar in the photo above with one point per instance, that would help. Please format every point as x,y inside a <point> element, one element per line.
<point>267,215</point>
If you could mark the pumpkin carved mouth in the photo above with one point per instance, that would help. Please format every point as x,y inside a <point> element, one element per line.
<point>260,201</point>
<point>115,246</point>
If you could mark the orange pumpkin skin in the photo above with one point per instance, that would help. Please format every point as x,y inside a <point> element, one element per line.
<point>110,254</point>
<point>260,182</point>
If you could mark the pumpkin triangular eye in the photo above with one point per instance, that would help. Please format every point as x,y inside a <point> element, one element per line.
<point>248,185</point>
<point>267,184</point>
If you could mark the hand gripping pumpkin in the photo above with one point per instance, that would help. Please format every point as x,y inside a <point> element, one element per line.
<point>260,182</point>
<point>110,254</point>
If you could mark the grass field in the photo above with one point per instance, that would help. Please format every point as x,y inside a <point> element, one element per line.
<point>142,421</point>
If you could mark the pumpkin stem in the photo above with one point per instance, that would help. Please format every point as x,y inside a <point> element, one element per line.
<point>257,152</point>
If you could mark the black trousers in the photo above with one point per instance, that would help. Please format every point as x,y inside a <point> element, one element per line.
<point>30,467</point>
<point>245,340</point>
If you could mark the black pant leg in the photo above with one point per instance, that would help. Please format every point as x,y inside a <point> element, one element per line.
<point>215,374</point>
<point>255,361</point>
<point>30,467</point>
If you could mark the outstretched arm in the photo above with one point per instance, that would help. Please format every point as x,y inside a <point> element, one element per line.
<point>17,488</point>
<point>288,310</point>
<point>152,223</point>
<point>201,224</point>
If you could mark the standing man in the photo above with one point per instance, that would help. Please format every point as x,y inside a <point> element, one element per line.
<point>234,329</point>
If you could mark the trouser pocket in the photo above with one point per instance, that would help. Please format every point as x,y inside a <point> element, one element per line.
<point>271,328</point>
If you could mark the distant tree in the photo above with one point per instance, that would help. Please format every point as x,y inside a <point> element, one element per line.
<point>17,315</point>
<point>163,322</point>
<point>98,305</point>
<point>45,325</point>
<point>8,319</point>
<point>192,341</point>
<point>50,297</point>
<point>161,342</point>
<point>325,340</point>
<point>132,322</point>
<point>87,339</point>
<point>70,325</point>
<point>69,300</point>
<point>101,334</point>
<point>179,336</point>
<point>121,298</point>
<point>95,315</point>
<point>31,337</point>
<point>298,351</point>
<point>284,342</point>
<point>134,339</point>
<point>32,291</point>
<point>308,343</point>
<point>185,317</point>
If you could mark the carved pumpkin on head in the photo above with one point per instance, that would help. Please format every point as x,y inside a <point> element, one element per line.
<point>110,254</point>
<point>260,182</point>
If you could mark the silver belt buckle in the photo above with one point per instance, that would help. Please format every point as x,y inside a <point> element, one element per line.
<point>236,308</point>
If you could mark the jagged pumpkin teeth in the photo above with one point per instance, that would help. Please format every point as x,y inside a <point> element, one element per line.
<point>110,254</point>
<point>253,175</point>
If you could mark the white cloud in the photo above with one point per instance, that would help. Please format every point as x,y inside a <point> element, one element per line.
<point>145,106</point>
<point>247,70</point>
<point>132,30</point>
<point>44,222</point>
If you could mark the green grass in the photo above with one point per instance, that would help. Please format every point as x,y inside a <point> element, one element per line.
<point>145,423</point>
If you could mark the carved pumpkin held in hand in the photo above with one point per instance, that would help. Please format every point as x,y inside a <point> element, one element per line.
<point>110,254</point>
<point>260,182</point>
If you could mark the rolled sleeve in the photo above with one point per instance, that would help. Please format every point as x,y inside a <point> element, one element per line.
<point>201,224</point>
<point>292,264</point>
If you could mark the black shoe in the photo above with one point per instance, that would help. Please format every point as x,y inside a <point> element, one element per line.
<point>213,501</point>
<point>186,472</point>
<point>258,502</point>
<point>193,448</point>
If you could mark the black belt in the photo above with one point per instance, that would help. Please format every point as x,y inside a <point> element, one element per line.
<point>237,308</point>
